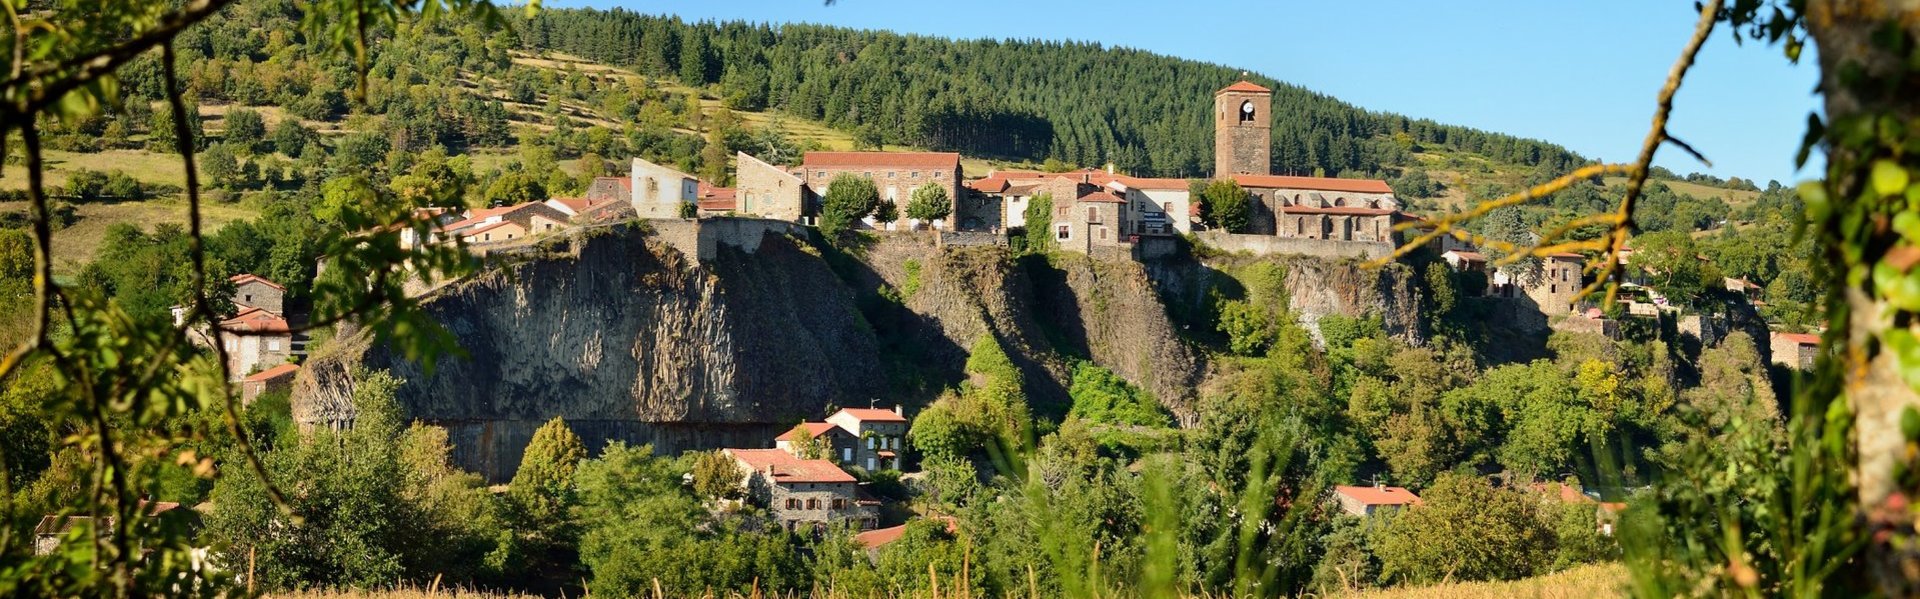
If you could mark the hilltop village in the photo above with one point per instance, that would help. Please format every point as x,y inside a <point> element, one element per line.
<point>805,479</point>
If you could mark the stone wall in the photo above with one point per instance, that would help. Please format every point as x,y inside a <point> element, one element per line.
<point>768,191</point>
<point>260,295</point>
<point>1266,245</point>
<point>702,239</point>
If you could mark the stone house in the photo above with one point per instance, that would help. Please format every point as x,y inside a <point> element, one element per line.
<point>1321,208</point>
<point>879,436</point>
<point>895,174</point>
<point>255,291</point>
<point>1151,206</point>
<point>802,493</point>
<point>1561,279</point>
<point>1794,350</point>
<point>277,378</point>
<point>769,191</point>
<point>268,341</point>
<point>610,189</point>
<point>658,191</point>
<point>1095,219</point>
<point>530,218</point>
<point>1365,501</point>
<point>836,443</point>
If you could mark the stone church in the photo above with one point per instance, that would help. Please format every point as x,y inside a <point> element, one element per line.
<point>1361,210</point>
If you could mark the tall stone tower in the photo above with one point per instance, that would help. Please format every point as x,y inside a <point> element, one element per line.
<point>1242,130</point>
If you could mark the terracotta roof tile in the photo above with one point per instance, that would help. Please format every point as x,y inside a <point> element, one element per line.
<point>928,160</point>
<point>1102,197</point>
<point>813,428</point>
<point>873,415</point>
<point>879,537</point>
<point>244,278</point>
<point>1314,183</point>
<point>274,373</point>
<point>1347,210</point>
<point>789,469</point>
<point>1800,338</point>
<point>257,320</point>
<point>1379,495</point>
<point>1245,86</point>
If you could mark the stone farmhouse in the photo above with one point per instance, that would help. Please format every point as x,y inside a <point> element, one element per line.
<point>260,312</point>
<point>895,174</point>
<point>1794,350</point>
<point>277,378</point>
<point>800,492</point>
<point>1365,501</point>
<point>868,438</point>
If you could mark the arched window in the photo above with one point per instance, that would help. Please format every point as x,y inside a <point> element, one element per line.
<point>1340,202</point>
<point>1246,111</point>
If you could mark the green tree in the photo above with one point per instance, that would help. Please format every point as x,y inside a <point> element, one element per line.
<point>716,476</point>
<point>1465,529</point>
<point>221,167</point>
<point>930,203</point>
<point>1227,206</point>
<point>886,213</point>
<point>244,129</point>
<point>291,137</point>
<point>849,198</point>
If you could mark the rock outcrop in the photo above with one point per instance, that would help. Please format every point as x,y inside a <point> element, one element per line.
<point>629,339</point>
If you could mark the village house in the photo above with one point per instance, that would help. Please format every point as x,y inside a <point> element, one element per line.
<point>869,438</point>
<point>895,174</point>
<point>1562,276</point>
<point>802,493</point>
<point>1605,513</point>
<point>1365,501</point>
<point>507,223</point>
<point>439,218</point>
<point>610,189</point>
<point>769,191</point>
<point>1465,261</point>
<point>266,338</point>
<point>1148,206</point>
<point>880,433</point>
<point>714,200</point>
<point>275,379</point>
<point>1794,350</point>
<point>659,192</point>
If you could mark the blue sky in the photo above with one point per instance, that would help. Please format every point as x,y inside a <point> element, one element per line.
<point>1582,74</point>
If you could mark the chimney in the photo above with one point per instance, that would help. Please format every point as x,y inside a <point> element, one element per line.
<point>1109,168</point>
<point>898,410</point>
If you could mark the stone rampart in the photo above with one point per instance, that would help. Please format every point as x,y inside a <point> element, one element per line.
<point>1267,245</point>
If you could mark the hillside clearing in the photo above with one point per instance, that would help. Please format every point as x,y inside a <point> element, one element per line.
<point>74,246</point>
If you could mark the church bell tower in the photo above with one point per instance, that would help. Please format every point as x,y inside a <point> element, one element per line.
<point>1242,130</point>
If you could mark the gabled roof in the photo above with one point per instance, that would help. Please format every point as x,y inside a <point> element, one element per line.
<point>788,469</point>
<point>1102,197</point>
<point>569,206</point>
<point>244,278</point>
<point>490,227</point>
<point>273,373</point>
<point>814,429</point>
<point>873,415</point>
<point>1800,338</point>
<point>1379,495</point>
<point>257,320</point>
<point>928,160</point>
<point>1244,86</point>
<point>1314,183</point>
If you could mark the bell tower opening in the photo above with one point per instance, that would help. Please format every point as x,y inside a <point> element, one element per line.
<point>1242,130</point>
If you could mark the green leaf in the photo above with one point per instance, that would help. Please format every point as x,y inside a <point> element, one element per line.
<point>1889,178</point>
<point>1906,349</point>
<point>1910,423</point>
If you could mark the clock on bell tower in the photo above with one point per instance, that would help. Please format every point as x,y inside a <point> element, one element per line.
<point>1242,130</point>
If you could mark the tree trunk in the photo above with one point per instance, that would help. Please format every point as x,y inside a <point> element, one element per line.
<point>1843,31</point>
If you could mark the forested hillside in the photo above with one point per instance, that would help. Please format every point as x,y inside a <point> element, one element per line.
<point>1079,102</point>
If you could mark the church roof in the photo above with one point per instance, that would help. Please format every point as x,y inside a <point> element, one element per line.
<point>1316,183</point>
<point>1245,86</point>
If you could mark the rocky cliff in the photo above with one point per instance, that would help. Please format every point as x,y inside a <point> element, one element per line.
<point>629,339</point>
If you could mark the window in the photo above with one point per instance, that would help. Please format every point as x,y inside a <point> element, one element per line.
<point>1093,214</point>
<point>914,174</point>
<point>839,504</point>
<point>1103,233</point>
<point>938,174</point>
<point>892,174</point>
<point>813,504</point>
<point>1166,207</point>
<point>793,504</point>
<point>868,174</point>
<point>273,345</point>
<point>1065,232</point>
<point>819,174</point>
<point>870,441</point>
<point>1246,111</point>
<point>246,299</point>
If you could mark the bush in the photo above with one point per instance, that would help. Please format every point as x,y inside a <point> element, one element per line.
<point>930,203</point>
<point>849,198</point>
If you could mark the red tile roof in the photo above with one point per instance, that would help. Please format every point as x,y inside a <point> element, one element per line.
<point>1103,197</point>
<point>813,429</point>
<point>479,230</point>
<point>876,538</point>
<point>989,185</point>
<point>1314,183</point>
<point>928,160</point>
<point>244,278</point>
<point>789,469</point>
<point>257,320</point>
<point>475,217</point>
<point>1800,338</point>
<point>574,205</point>
<point>1379,495</point>
<point>1245,86</point>
<point>873,415</point>
<point>1347,210</point>
<point>273,373</point>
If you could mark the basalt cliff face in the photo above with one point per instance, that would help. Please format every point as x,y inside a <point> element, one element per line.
<point>629,339</point>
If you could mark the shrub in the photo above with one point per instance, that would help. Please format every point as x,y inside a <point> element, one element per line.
<point>849,198</point>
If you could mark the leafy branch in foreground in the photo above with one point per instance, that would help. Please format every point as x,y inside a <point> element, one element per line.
<point>128,388</point>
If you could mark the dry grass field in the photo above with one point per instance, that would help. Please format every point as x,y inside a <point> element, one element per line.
<point>73,246</point>
<point>1598,580</point>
